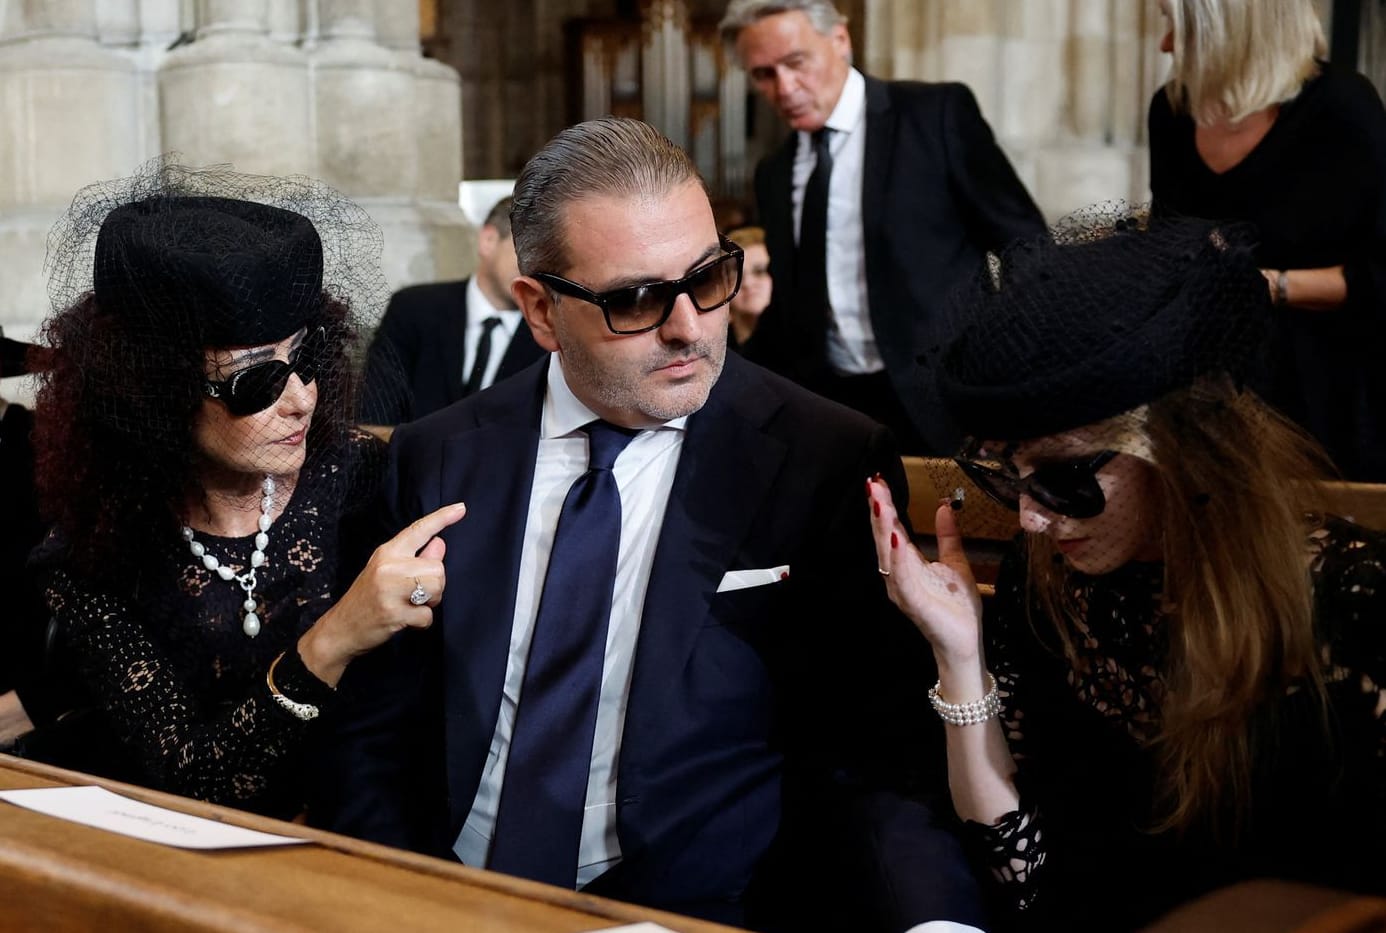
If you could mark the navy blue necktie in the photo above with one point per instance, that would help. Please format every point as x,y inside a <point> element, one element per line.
<point>539,822</point>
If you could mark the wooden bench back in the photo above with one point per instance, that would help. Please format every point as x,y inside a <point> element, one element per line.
<point>1363,503</point>
<point>934,478</point>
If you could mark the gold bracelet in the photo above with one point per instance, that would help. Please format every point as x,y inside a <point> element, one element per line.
<point>304,711</point>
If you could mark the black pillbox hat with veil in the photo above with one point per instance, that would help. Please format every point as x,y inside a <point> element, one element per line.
<point>248,273</point>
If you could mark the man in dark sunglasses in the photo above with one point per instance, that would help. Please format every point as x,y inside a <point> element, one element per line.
<point>664,669</point>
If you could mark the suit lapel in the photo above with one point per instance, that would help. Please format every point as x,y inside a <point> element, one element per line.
<point>491,467</point>
<point>725,471</point>
<point>875,181</point>
<point>453,343</point>
<point>779,211</point>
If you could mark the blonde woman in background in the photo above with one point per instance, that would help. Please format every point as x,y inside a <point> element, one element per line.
<point>1254,125</point>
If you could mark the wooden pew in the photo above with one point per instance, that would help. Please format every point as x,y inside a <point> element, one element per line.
<point>1363,503</point>
<point>987,526</point>
<point>981,518</point>
<point>58,876</point>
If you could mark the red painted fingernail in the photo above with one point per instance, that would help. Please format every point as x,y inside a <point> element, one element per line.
<point>894,540</point>
<point>876,509</point>
<point>784,575</point>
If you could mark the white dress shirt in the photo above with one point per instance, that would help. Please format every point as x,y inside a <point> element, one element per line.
<point>851,341</point>
<point>479,308</point>
<point>644,475</point>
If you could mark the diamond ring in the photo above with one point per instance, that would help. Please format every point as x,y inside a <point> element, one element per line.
<point>418,596</point>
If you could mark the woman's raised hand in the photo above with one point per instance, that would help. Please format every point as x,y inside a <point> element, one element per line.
<point>397,589</point>
<point>940,597</point>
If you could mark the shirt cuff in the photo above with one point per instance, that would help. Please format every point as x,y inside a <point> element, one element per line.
<point>943,926</point>
<point>297,683</point>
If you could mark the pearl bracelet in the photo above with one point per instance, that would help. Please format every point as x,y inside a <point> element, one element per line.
<point>304,711</point>
<point>967,714</point>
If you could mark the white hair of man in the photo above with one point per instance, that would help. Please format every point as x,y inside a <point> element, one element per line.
<point>823,14</point>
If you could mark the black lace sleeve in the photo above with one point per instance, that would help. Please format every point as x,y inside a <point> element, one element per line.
<point>1013,849</point>
<point>1349,570</point>
<point>224,756</point>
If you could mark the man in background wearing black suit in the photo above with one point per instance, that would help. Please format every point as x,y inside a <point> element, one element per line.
<point>441,342</point>
<point>886,194</point>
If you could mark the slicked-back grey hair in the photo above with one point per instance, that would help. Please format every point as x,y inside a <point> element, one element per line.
<point>823,14</point>
<point>606,157</point>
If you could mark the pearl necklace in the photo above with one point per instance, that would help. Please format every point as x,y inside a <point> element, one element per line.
<point>250,624</point>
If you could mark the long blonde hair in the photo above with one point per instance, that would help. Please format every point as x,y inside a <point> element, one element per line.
<point>1237,496</point>
<point>1235,57</point>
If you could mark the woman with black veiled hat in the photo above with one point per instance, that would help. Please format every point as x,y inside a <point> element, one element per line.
<point>1179,683</point>
<point>195,451</point>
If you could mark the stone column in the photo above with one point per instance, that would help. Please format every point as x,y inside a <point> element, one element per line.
<point>389,135</point>
<point>1064,83</point>
<point>234,95</point>
<point>67,106</point>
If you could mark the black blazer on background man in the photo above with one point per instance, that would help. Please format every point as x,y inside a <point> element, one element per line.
<point>937,195</point>
<point>414,365</point>
<point>764,724</point>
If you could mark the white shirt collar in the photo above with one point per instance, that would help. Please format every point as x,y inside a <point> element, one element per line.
<point>479,308</point>
<point>851,105</point>
<point>564,413</point>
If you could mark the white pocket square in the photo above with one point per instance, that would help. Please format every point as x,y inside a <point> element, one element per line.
<point>741,579</point>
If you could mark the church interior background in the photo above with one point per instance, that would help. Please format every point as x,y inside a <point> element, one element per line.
<point>395,102</point>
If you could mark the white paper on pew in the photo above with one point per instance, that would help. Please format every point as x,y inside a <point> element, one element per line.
<point>98,807</point>
<point>646,927</point>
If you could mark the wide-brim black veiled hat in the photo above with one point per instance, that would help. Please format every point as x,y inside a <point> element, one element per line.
<point>232,258</point>
<point>1112,311</point>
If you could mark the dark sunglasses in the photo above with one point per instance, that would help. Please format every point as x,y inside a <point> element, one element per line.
<point>1068,487</point>
<point>257,387</point>
<point>638,308</point>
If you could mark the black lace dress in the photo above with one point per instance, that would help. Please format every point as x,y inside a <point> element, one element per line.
<point>169,668</point>
<point>1080,854</point>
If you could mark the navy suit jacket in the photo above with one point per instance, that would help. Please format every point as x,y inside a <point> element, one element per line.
<point>757,718</point>
<point>414,365</point>
<point>937,195</point>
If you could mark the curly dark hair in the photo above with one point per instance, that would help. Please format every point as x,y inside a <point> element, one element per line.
<point>145,274</point>
<point>115,453</point>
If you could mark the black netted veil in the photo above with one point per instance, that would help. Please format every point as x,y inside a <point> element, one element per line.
<point>1112,312</point>
<point>350,240</point>
<point>148,272</point>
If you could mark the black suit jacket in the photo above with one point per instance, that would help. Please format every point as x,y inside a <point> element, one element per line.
<point>937,195</point>
<point>758,719</point>
<point>414,365</point>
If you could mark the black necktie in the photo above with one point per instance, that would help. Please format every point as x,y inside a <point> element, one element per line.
<point>483,356</point>
<point>544,790</point>
<point>811,267</point>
